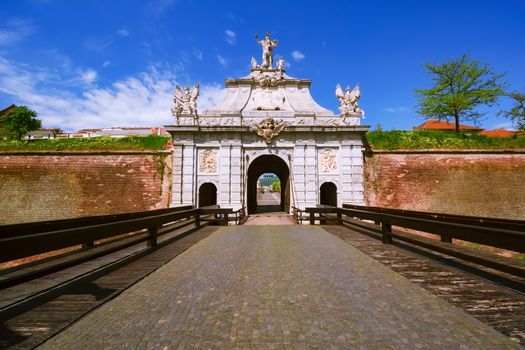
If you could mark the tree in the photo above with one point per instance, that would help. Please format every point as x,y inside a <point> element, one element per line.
<point>20,121</point>
<point>276,186</point>
<point>460,86</point>
<point>517,113</point>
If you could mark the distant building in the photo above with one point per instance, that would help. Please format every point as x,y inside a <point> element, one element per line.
<point>42,134</point>
<point>119,132</point>
<point>498,133</point>
<point>446,126</point>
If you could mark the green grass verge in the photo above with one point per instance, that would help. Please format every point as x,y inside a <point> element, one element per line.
<point>103,143</point>
<point>402,139</point>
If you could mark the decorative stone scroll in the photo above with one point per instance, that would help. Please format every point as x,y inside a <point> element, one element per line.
<point>328,161</point>
<point>208,162</point>
<point>271,77</point>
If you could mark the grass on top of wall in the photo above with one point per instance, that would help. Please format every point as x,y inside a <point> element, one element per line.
<point>405,139</point>
<point>102,143</point>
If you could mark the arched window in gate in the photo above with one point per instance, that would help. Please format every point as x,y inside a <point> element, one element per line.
<point>328,195</point>
<point>207,194</point>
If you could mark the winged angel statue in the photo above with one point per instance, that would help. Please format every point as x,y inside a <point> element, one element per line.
<point>185,101</point>
<point>348,100</point>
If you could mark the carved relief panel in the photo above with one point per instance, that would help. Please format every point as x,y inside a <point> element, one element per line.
<point>328,161</point>
<point>208,162</point>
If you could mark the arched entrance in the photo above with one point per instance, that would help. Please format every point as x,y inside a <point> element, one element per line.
<point>268,163</point>
<point>328,194</point>
<point>207,194</point>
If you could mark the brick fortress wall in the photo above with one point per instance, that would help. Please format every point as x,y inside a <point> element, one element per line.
<point>466,183</point>
<point>47,186</point>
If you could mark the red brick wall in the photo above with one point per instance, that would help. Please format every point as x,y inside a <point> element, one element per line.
<point>35,187</point>
<point>488,184</point>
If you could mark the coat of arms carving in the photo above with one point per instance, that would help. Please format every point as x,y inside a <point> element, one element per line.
<point>268,129</point>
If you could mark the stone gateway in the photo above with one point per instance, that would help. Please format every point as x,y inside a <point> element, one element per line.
<point>268,122</point>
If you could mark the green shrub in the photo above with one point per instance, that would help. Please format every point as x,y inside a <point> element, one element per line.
<point>426,139</point>
<point>134,143</point>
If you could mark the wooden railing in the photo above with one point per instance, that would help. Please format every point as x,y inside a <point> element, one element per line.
<point>222,216</point>
<point>494,232</point>
<point>500,233</point>
<point>299,215</point>
<point>95,236</point>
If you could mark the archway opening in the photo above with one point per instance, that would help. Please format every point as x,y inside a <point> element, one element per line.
<point>328,194</point>
<point>207,194</point>
<point>268,164</point>
<point>268,193</point>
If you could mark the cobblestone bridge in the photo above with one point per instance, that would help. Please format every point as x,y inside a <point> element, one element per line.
<point>277,287</point>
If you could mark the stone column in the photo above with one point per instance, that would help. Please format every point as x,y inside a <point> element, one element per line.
<point>345,173</point>
<point>189,164</point>
<point>236,182</point>
<point>357,174</point>
<point>311,174</point>
<point>224,190</point>
<point>183,187</point>
<point>297,176</point>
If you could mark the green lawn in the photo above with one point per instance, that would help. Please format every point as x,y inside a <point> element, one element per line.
<point>133,143</point>
<point>402,139</point>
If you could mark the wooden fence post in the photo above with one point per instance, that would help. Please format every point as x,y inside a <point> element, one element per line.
<point>446,238</point>
<point>312,218</point>
<point>339,218</point>
<point>386,229</point>
<point>152,237</point>
<point>88,245</point>
<point>198,220</point>
<point>225,219</point>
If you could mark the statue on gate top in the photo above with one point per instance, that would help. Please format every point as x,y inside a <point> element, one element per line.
<point>348,100</point>
<point>267,46</point>
<point>185,101</point>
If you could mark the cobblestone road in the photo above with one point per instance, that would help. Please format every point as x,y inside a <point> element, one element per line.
<point>277,287</point>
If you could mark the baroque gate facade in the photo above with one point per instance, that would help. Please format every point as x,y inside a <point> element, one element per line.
<point>267,122</point>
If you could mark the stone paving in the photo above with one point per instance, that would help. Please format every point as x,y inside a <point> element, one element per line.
<point>274,218</point>
<point>277,287</point>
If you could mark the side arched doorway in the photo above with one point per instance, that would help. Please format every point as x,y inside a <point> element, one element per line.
<point>207,194</point>
<point>268,163</point>
<point>328,195</point>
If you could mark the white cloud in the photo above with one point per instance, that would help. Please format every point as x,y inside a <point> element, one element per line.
<point>210,95</point>
<point>198,54</point>
<point>504,125</point>
<point>158,7</point>
<point>15,30</point>
<point>395,109</point>
<point>98,44</point>
<point>141,100</point>
<point>223,62</point>
<point>146,48</point>
<point>88,76</point>
<point>106,63</point>
<point>123,32</point>
<point>231,36</point>
<point>298,55</point>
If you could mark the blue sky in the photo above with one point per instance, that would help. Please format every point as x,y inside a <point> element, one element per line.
<point>98,63</point>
